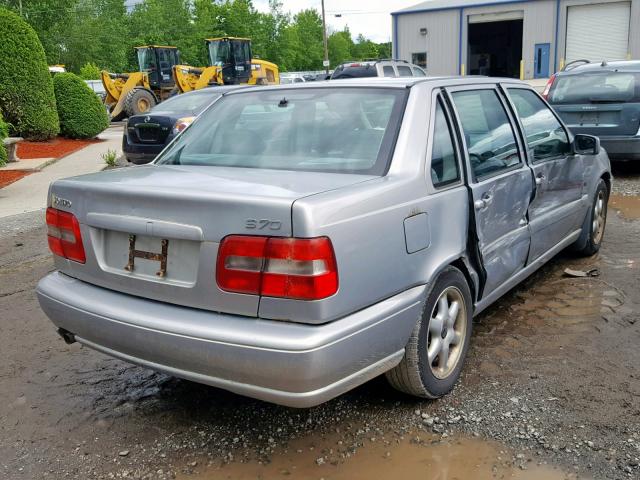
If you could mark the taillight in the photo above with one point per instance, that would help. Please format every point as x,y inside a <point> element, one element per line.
<point>296,268</point>
<point>182,123</point>
<point>63,234</point>
<point>547,87</point>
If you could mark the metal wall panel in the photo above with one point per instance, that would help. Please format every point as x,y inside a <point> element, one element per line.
<point>598,32</point>
<point>634,26</point>
<point>539,27</point>
<point>440,43</point>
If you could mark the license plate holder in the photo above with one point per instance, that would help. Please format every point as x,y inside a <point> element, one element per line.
<point>154,256</point>
<point>589,118</point>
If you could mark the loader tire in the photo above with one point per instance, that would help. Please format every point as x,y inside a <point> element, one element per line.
<point>138,100</point>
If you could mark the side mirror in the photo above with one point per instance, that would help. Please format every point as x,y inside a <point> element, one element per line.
<point>586,144</point>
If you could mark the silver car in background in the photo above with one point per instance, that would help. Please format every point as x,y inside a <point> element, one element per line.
<point>297,241</point>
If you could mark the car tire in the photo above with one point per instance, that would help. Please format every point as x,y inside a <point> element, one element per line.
<point>137,101</point>
<point>422,371</point>
<point>595,222</point>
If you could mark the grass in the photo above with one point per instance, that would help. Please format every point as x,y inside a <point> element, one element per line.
<point>110,157</point>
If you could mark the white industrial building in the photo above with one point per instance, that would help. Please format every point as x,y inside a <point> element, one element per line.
<point>514,38</point>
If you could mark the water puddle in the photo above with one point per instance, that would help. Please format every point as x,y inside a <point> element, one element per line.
<point>405,457</point>
<point>627,206</point>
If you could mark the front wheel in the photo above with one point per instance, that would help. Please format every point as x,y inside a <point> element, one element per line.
<point>596,221</point>
<point>137,101</point>
<point>435,352</point>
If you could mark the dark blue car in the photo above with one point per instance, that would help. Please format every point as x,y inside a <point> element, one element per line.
<point>601,99</point>
<point>146,135</point>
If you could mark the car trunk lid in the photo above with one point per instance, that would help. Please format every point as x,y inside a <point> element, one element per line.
<point>149,129</point>
<point>154,231</point>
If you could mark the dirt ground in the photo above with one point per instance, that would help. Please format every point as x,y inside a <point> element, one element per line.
<point>551,390</point>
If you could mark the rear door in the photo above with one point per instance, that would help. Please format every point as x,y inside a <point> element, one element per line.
<point>499,179</point>
<point>555,211</point>
<point>598,103</point>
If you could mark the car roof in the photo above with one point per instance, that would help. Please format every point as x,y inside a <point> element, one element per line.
<point>388,82</point>
<point>604,66</point>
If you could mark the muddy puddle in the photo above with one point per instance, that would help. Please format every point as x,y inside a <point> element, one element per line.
<point>627,206</point>
<point>404,457</point>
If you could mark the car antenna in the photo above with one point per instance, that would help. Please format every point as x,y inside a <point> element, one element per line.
<point>604,63</point>
<point>283,103</point>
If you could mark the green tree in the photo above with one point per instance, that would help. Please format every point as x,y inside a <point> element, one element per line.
<point>274,39</point>
<point>340,47</point>
<point>364,48</point>
<point>308,33</point>
<point>384,50</point>
<point>27,100</point>
<point>90,71</point>
<point>165,22</point>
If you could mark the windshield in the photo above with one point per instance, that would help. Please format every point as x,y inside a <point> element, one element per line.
<point>219,54</point>
<point>597,87</point>
<point>145,59</point>
<point>188,102</point>
<point>344,130</point>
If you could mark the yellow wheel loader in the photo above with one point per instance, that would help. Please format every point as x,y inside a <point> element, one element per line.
<point>133,93</point>
<point>230,63</point>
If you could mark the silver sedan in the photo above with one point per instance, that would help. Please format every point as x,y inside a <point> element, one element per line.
<point>296,241</point>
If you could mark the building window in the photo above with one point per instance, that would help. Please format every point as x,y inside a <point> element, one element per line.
<point>420,59</point>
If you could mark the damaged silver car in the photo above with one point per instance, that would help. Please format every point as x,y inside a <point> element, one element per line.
<point>296,241</point>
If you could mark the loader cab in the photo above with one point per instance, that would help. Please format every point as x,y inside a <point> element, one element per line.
<point>233,55</point>
<point>157,62</point>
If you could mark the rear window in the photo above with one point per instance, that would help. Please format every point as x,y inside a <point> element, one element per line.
<point>345,130</point>
<point>355,70</point>
<point>597,87</point>
<point>189,102</point>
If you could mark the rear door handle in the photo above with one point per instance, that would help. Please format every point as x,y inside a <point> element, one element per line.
<point>540,178</point>
<point>483,202</point>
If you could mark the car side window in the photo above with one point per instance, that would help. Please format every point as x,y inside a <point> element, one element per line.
<point>444,163</point>
<point>418,72</point>
<point>388,71</point>
<point>489,135</point>
<point>545,136</point>
<point>404,71</point>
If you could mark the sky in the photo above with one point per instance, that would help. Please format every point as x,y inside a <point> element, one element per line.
<point>370,17</point>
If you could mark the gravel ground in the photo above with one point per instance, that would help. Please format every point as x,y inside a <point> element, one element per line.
<point>626,179</point>
<point>552,375</point>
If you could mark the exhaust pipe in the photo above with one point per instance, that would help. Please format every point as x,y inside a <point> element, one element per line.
<point>67,336</point>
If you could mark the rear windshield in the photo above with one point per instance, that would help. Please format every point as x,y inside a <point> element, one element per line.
<point>189,102</point>
<point>597,87</point>
<point>346,130</point>
<point>354,71</point>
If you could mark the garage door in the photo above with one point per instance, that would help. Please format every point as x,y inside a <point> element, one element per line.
<point>598,32</point>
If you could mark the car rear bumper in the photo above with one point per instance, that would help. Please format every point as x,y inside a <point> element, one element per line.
<point>621,147</point>
<point>291,364</point>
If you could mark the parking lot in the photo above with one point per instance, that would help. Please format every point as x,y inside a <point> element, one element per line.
<point>550,390</point>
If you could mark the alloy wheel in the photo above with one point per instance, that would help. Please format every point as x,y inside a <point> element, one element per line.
<point>599,217</point>
<point>447,332</point>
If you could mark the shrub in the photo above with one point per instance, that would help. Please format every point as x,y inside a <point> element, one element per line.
<point>90,71</point>
<point>81,112</point>
<point>27,100</point>
<point>4,133</point>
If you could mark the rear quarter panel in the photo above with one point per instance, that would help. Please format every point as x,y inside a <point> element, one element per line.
<point>365,223</point>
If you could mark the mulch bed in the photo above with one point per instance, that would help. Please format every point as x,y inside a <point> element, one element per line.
<point>10,176</point>
<point>56,148</point>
